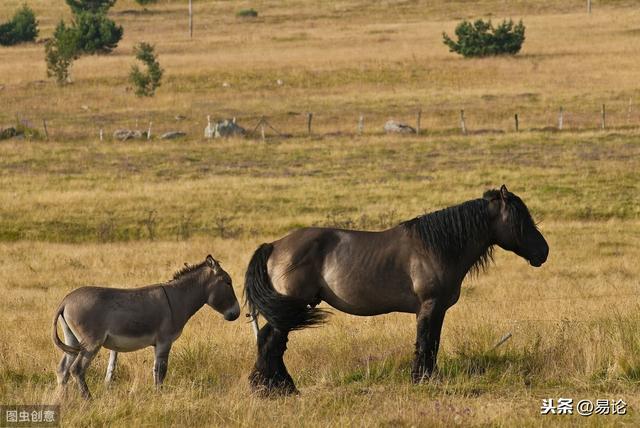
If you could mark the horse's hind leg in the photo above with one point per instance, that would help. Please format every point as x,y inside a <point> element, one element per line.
<point>269,374</point>
<point>111,367</point>
<point>430,319</point>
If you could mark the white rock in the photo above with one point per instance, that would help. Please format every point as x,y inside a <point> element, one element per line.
<point>393,127</point>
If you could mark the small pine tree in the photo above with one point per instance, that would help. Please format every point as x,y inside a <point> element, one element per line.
<point>60,51</point>
<point>93,6</point>
<point>146,83</point>
<point>23,27</point>
<point>481,39</point>
<point>95,33</point>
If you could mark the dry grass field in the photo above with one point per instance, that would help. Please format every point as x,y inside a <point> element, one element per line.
<point>77,211</point>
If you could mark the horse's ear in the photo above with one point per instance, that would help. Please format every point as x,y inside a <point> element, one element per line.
<point>504,193</point>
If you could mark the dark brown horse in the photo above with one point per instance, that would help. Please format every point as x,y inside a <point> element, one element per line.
<point>415,267</point>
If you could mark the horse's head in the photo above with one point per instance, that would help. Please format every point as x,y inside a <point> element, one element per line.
<point>220,294</point>
<point>513,228</point>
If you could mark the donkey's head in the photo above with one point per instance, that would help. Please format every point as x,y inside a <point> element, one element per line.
<point>219,291</point>
<point>513,228</point>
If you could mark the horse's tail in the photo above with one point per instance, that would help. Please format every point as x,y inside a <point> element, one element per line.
<point>283,312</point>
<point>56,339</point>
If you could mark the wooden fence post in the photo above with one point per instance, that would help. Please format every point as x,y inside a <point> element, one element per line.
<point>360,124</point>
<point>101,135</point>
<point>463,126</point>
<point>418,120</point>
<point>560,119</point>
<point>46,131</point>
<point>589,6</point>
<point>262,128</point>
<point>517,124</point>
<point>149,131</point>
<point>309,119</point>
<point>603,118</point>
<point>190,19</point>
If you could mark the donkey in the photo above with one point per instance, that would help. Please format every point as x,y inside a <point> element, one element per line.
<point>416,267</point>
<point>126,320</point>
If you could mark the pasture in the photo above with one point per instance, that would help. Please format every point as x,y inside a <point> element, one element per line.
<point>77,211</point>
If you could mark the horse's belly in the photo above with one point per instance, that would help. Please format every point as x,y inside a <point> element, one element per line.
<point>369,298</point>
<point>122,343</point>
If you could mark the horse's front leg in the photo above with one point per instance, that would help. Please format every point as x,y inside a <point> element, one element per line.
<point>430,319</point>
<point>161,363</point>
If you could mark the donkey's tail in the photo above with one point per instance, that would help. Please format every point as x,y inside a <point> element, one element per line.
<point>283,312</point>
<point>54,335</point>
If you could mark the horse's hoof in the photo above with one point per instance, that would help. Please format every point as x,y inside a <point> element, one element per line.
<point>270,388</point>
<point>276,391</point>
<point>418,378</point>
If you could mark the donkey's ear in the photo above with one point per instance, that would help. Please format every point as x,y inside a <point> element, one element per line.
<point>504,193</point>
<point>211,261</point>
<point>213,264</point>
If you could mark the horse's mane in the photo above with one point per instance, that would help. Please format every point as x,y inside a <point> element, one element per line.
<point>187,269</point>
<point>448,231</point>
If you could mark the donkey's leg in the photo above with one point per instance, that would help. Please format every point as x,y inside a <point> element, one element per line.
<point>430,319</point>
<point>63,369</point>
<point>67,359</point>
<point>161,363</point>
<point>111,367</point>
<point>79,368</point>
<point>269,374</point>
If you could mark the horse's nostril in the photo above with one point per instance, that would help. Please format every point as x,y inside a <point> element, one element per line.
<point>231,316</point>
<point>233,313</point>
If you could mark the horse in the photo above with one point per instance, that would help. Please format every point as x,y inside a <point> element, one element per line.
<point>415,267</point>
<point>126,320</point>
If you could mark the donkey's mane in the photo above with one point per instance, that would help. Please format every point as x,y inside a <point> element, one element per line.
<point>448,231</point>
<point>187,269</point>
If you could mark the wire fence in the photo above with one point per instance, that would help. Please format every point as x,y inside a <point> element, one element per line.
<point>493,117</point>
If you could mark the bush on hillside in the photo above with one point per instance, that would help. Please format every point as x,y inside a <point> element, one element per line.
<point>23,27</point>
<point>60,51</point>
<point>480,39</point>
<point>95,33</point>
<point>146,83</point>
<point>247,13</point>
<point>93,6</point>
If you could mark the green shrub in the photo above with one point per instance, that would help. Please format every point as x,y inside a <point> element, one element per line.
<point>482,39</point>
<point>93,6</point>
<point>247,13</point>
<point>60,51</point>
<point>23,27</point>
<point>6,34</point>
<point>95,33</point>
<point>146,83</point>
<point>145,2</point>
